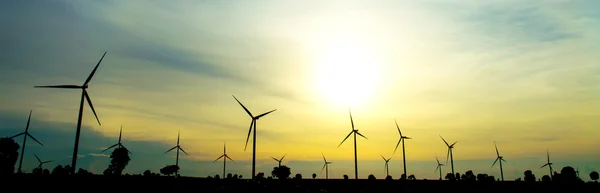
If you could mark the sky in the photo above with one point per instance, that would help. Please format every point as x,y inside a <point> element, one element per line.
<point>521,74</point>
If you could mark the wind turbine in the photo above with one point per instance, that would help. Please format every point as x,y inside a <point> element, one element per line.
<point>326,167</point>
<point>355,132</point>
<point>84,96</point>
<point>178,148</point>
<point>279,160</point>
<point>387,168</point>
<point>119,144</point>
<point>439,166</point>
<point>225,157</point>
<point>500,162</point>
<point>549,164</point>
<point>253,123</point>
<point>26,134</point>
<point>41,162</point>
<point>450,147</point>
<point>402,139</point>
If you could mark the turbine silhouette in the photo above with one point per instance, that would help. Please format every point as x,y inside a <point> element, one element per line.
<point>25,135</point>
<point>178,147</point>
<point>402,139</point>
<point>118,144</point>
<point>326,167</point>
<point>84,96</point>
<point>500,162</point>
<point>225,157</point>
<point>253,123</point>
<point>549,164</point>
<point>450,147</point>
<point>387,168</point>
<point>41,162</point>
<point>279,160</point>
<point>439,166</point>
<point>355,132</point>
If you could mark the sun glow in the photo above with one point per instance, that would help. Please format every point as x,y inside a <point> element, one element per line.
<point>347,72</point>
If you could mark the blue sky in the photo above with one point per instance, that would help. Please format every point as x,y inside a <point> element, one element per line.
<point>523,74</point>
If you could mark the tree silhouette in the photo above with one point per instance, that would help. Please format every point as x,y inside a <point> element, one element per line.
<point>119,160</point>
<point>412,177</point>
<point>282,172</point>
<point>546,179</point>
<point>450,176</point>
<point>298,177</point>
<point>345,176</point>
<point>314,175</point>
<point>469,176</point>
<point>529,176</point>
<point>8,156</point>
<point>169,170</point>
<point>84,172</point>
<point>389,178</point>
<point>568,175</point>
<point>372,177</point>
<point>59,170</point>
<point>594,176</point>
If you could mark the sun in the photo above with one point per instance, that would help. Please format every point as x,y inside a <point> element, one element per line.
<point>347,72</point>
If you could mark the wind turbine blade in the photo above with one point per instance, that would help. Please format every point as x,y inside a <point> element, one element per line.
<point>87,97</point>
<point>178,134</point>
<point>445,141</point>
<point>548,153</point>
<point>325,160</point>
<point>249,131</point>
<point>219,157</point>
<point>28,121</point>
<point>283,157</point>
<point>171,149</point>
<point>35,139</point>
<point>495,162</point>
<point>346,138</point>
<point>382,157</point>
<point>110,147</point>
<point>47,162</point>
<point>398,144</point>
<point>398,128</point>
<point>36,157</point>
<point>497,153</point>
<point>246,109</point>
<point>17,135</point>
<point>323,167</point>
<point>120,133</point>
<point>454,144</point>
<point>226,156</point>
<point>361,135</point>
<point>436,168</point>
<point>502,159</point>
<point>544,165</point>
<point>60,86</point>
<point>351,120</point>
<point>261,115</point>
<point>126,149</point>
<point>275,159</point>
<point>183,151</point>
<point>94,71</point>
<point>448,155</point>
<point>438,161</point>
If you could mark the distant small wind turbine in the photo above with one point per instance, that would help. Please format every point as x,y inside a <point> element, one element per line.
<point>500,162</point>
<point>577,171</point>
<point>41,162</point>
<point>549,164</point>
<point>119,144</point>
<point>439,166</point>
<point>178,148</point>
<point>84,96</point>
<point>387,167</point>
<point>355,132</point>
<point>326,167</point>
<point>25,135</point>
<point>402,139</point>
<point>450,148</point>
<point>225,157</point>
<point>253,123</point>
<point>279,160</point>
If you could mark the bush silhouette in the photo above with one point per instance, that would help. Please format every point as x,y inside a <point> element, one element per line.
<point>169,170</point>
<point>8,156</point>
<point>372,177</point>
<point>314,175</point>
<point>298,177</point>
<point>119,160</point>
<point>529,176</point>
<point>281,173</point>
<point>594,176</point>
<point>345,177</point>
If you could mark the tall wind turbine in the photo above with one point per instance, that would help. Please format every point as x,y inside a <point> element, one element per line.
<point>119,144</point>
<point>279,160</point>
<point>84,96</point>
<point>41,162</point>
<point>402,139</point>
<point>355,132</point>
<point>387,167</point>
<point>225,157</point>
<point>178,148</point>
<point>500,162</point>
<point>450,147</point>
<point>253,123</point>
<point>549,164</point>
<point>326,167</point>
<point>439,166</point>
<point>25,135</point>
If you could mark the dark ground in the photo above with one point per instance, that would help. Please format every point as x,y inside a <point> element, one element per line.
<point>97,183</point>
